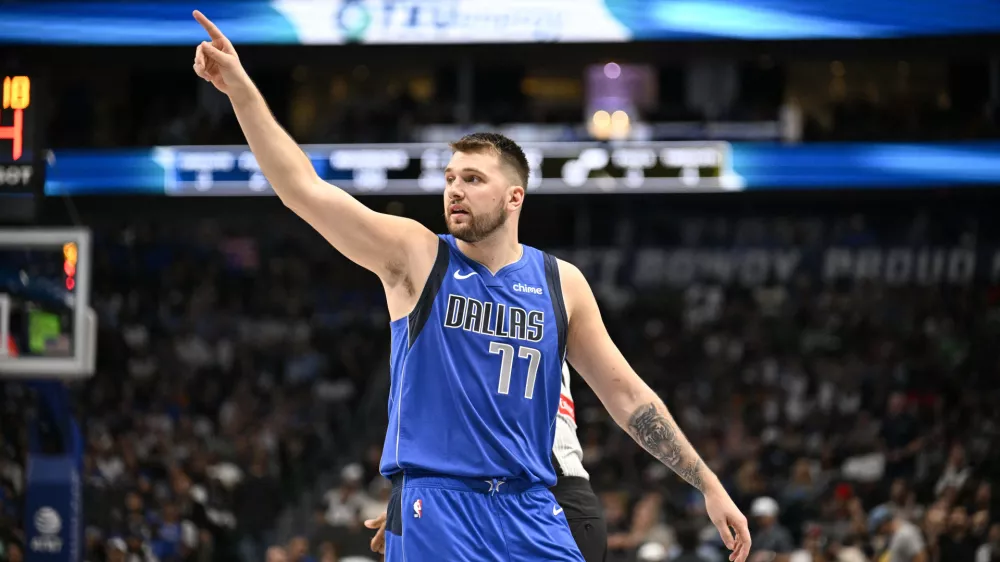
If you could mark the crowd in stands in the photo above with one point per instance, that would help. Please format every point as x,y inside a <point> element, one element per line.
<point>815,407</point>
<point>223,387</point>
<point>850,421</point>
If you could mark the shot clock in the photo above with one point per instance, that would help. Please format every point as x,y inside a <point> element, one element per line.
<point>17,98</point>
<point>22,164</point>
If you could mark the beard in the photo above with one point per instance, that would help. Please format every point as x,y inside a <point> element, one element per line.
<point>478,227</point>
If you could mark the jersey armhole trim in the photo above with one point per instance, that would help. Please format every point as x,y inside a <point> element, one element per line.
<point>422,310</point>
<point>556,466</point>
<point>558,305</point>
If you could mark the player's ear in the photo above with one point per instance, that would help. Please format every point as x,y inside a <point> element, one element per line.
<point>515,197</point>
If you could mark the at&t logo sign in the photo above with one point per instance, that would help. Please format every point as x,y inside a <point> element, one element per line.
<point>48,524</point>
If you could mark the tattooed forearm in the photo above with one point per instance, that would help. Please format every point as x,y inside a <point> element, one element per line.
<point>658,435</point>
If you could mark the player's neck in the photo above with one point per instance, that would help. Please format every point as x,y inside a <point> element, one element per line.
<point>494,252</point>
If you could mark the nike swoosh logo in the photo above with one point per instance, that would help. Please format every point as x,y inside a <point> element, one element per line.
<point>556,510</point>
<point>466,276</point>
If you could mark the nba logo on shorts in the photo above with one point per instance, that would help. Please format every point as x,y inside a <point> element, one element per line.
<point>418,508</point>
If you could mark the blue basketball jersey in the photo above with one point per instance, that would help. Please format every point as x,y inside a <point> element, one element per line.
<point>476,370</point>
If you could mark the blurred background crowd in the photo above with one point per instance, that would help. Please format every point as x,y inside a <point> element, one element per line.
<point>239,402</point>
<point>238,407</point>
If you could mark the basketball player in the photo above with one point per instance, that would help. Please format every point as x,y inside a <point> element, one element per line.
<point>572,490</point>
<point>481,325</point>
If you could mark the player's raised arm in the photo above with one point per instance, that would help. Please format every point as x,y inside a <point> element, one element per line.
<point>638,410</point>
<point>383,244</point>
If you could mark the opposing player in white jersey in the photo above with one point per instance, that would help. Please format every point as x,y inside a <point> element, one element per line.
<point>572,490</point>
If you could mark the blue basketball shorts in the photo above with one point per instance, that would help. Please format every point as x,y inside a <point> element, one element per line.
<point>442,519</point>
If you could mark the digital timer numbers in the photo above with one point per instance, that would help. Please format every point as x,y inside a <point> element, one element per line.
<point>16,92</point>
<point>16,96</point>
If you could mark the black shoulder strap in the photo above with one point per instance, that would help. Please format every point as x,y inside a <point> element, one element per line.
<point>422,311</point>
<point>555,293</point>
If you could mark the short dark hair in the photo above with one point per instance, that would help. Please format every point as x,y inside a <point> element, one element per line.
<point>508,151</point>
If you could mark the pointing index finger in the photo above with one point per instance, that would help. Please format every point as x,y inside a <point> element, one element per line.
<point>213,31</point>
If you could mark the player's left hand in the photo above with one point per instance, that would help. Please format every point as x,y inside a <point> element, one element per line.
<point>378,541</point>
<point>724,514</point>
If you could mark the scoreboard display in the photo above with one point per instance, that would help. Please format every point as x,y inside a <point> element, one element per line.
<point>22,165</point>
<point>559,168</point>
<point>556,168</point>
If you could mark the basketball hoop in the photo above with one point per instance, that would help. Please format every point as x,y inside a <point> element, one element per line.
<point>47,328</point>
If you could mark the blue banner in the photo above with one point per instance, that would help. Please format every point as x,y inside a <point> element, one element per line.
<point>865,165</point>
<point>793,19</point>
<point>53,508</point>
<point>140,23</point>
<point>333,22</point>
<point>556,168</point>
